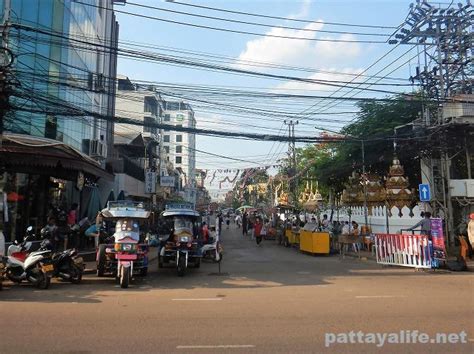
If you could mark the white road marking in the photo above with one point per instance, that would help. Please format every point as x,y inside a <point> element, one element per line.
<point>224,346</point>
<point>202,299</point>
<point>377,296</point>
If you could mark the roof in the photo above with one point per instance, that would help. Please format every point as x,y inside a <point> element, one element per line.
<point>180,212</point>
<point>125,209</point>
<point>31,154</point>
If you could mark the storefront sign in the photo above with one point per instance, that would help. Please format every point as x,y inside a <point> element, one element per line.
<point>150,182</point>
<point>437,237</point>
<point>167,181</point>
<point>179,117</point>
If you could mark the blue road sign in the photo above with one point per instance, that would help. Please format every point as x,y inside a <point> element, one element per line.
<point>425,194</point>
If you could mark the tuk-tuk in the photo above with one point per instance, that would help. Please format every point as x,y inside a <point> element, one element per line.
<point>123,254</point>
<point>181,246</point>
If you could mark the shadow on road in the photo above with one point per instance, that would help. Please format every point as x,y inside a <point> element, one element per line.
<point>245,266</point>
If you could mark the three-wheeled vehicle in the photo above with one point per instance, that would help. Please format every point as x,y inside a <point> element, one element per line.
<point>123,254</point>
<point>181,247</point>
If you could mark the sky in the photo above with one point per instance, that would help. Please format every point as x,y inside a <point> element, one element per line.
<point>330,61</point>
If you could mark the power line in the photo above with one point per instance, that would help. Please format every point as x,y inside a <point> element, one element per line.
<point>233,31</point>
<point>256,23</point>
<point>277,17</point>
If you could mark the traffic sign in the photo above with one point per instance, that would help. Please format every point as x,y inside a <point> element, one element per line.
<point>425,194</point>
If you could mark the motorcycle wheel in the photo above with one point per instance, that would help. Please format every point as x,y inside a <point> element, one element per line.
<point>160,262</point>
<point>43,282</point>
<point>197,264</point>
<point>102,260</point>
<point>76,275</point>
<point>144,271</point>
<point>181,267</point>
<point>286,243</point>
<point>125,277</point>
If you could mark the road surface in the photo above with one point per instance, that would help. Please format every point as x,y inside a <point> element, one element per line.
<point>270,299</point>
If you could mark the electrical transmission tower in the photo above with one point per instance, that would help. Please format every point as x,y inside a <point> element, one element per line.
<point>446,35</point>
<point>292,171</point>
<point>446,76</point>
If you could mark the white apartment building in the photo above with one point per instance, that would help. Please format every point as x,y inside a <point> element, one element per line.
<point>180,146</point>
<point>136,103</point>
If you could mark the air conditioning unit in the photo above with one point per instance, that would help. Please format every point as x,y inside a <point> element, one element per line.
<point>95,148</point>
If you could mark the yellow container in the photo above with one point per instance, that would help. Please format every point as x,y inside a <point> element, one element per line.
<point>314,242</point>
<point>292,236</point>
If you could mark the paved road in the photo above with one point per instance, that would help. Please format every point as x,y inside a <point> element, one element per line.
<point>271,300</point>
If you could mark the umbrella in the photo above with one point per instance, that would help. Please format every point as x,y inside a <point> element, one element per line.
<point>245,207</point>
<point>94,205</point>
<point>121,195</point>
<point>110,198</point>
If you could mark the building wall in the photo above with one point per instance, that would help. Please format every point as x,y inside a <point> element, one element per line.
<point>44,60</point>
<point>186,157</point>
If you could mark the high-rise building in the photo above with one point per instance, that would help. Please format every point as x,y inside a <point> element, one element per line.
<point>59,62</point>
<point>179,145</point>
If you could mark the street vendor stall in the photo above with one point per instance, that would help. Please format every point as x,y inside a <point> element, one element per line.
<point>313,241</point>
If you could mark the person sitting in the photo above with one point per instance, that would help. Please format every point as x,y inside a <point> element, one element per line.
<point>205,233</point>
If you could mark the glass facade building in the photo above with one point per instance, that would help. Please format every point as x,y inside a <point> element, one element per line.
<point>60,62</point>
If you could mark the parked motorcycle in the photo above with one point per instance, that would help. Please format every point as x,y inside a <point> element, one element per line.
<point>2,270</point>
<point>213,249</point>
<point>67,264</point>
<point>35,267</point>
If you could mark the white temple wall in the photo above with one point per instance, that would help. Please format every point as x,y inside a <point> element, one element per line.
<point>378,221</point>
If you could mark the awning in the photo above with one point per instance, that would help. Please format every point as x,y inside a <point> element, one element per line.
<point>36,155</point>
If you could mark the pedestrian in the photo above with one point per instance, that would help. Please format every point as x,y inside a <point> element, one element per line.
<point>257,229</point>
<point>324,223</point>
<point>425,224</point>
<point>238,220</point>
<point>470,230</point>
<point>52,229</point>
<point>245,221</point>
<point>227,221</point>
<point>205,233</point>
<point>72,215</point>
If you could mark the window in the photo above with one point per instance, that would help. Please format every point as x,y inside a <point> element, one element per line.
<point>167,118</point>
<point>178,159</point>
<point>167,149</point>
<point>179,149</point>
<point>179,138</point>
<point>151,106</point>
<point>148,129</point>
<point>166,138</point>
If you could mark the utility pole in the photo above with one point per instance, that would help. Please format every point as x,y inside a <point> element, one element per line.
<point>292,159</point>
<point>445,34</point>
<point>364,185</point>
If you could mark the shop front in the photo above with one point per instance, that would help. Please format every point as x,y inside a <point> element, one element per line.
<point>41,177</point>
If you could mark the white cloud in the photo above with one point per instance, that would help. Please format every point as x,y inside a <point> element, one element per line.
<point>299,52</point>
<point>304,10</point>
<point>330,74</point>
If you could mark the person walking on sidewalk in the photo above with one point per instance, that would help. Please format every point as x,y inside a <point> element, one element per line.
<point>257,229</point>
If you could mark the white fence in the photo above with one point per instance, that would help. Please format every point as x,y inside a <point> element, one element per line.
<point>403,250</point>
